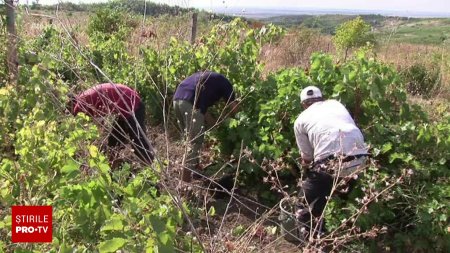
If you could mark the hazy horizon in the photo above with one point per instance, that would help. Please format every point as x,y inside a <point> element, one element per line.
<point>407,8</point>
<point>273,12</point>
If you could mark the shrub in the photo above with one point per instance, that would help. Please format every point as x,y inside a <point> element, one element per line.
<point>110,22</point>
<point>421,80</point>
<point>353,34</point>
<point>299,45</point>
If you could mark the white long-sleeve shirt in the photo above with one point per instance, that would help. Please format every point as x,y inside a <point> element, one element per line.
<point>326,128</point>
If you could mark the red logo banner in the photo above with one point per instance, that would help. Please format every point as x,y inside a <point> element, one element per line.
<point>31,224</point>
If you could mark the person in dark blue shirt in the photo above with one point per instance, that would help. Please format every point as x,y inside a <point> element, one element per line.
<point>193,97</point>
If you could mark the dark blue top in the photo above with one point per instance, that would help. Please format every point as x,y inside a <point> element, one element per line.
<point>212,86</point>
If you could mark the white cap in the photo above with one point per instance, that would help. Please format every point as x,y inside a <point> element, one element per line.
<point>310,92</point>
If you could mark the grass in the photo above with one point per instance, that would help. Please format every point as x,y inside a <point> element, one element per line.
<point>327,24</point>
<point>425,32</point>
<point>431,31</point>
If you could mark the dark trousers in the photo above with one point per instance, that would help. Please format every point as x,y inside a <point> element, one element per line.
<point>317,188</point>
<point>132,129</point>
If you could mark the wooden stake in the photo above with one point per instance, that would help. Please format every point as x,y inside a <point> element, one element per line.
<point>13,63</point>
<point>194,27</point>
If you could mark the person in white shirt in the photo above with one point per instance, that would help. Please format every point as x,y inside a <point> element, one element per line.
<point>331,146</point>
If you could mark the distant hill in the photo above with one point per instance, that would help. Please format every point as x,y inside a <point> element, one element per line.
<point>140,7</point>
<point>260,12</point>
<point>134,6</point>
<point>327,23</point>
<point>432,31</point>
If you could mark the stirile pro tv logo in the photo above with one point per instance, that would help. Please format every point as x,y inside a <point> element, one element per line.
<point>31,224</point>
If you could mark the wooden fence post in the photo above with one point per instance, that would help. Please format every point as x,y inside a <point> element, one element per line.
<point>12,60</point>
<point>194,27</point>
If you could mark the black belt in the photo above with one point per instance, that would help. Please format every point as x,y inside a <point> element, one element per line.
<point>353,157</point>
<point>344,159</point>
<point>323,164</point>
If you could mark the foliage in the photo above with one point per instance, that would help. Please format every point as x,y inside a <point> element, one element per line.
<point>421,80</point>
<point>60,165</point>
<point>54,159</point>
<point>231,49</point>
<point>372,92</point>
<point>49,48</point>
<point>48,158</point>
<point>149,8</point>
<point>109,22</point>
<point>353,34</point>
<point>366,87</point>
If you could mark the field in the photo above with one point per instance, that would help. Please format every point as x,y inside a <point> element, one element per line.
<point>397,89</point>
<point>326,24</point>
<point>396,29</point>
<point>422,32</point>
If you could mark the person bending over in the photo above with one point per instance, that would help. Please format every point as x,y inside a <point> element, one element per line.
<point>192,98</point>
<point>331,146</point>
<point>124,103</point>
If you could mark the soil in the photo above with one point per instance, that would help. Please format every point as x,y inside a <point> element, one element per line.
<point>238,224</point>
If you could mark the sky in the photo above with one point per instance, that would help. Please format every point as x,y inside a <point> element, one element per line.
<point>439,6</point>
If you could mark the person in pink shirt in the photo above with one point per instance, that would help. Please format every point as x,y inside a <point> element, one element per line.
<point>123,102</point>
